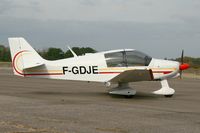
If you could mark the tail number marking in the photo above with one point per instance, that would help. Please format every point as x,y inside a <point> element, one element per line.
<point>81,70</point>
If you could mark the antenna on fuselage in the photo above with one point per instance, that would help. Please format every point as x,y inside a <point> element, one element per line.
<point>74,54</point>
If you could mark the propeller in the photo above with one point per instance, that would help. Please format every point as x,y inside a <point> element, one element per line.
<point>183,66</point>
<point>182,56</point>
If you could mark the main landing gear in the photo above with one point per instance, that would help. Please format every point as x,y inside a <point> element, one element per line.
<point>123,89</point>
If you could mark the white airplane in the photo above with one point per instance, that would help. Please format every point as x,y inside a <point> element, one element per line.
<point>117,66</point>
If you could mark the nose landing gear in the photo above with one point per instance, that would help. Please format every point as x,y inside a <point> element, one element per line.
<point>165,90</point>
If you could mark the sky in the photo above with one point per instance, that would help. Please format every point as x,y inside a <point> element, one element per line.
<point>160,28</point>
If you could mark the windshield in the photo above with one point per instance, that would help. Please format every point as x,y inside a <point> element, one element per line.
<point>127,59</point>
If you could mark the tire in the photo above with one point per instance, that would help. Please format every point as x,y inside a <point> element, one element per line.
<point>168,96</point>
<point>128,96</point>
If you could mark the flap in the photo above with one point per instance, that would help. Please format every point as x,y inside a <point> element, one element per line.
<point>134,76</point>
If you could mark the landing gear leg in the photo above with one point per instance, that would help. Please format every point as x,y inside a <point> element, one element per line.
<point>165,90</point>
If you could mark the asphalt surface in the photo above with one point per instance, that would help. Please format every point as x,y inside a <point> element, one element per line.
<point>29,105</point>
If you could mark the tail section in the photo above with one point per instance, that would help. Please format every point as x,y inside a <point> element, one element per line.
<point>23,56</point>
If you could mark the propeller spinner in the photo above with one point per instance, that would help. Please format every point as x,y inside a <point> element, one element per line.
<point>183,66</point>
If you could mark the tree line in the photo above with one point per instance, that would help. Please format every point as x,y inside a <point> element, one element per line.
<point>57,53</point>
<point>49,54</point>
<point>5,54</point>
<point>194,62</point>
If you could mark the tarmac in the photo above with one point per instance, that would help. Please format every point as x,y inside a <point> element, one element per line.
<point>30,105</point>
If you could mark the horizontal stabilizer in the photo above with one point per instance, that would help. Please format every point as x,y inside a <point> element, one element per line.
<point>31,65</point>
<point>30,61</point>
<point>133,76</point>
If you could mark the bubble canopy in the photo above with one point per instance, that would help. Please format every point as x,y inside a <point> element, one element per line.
<point>127,58</point>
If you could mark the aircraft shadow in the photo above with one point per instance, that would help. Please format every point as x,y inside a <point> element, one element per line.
<point>138,96</point>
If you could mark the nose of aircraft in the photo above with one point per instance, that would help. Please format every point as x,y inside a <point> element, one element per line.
<point>184,66</point>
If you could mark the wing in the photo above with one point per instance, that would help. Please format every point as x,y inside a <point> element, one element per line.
<point>134,76</point>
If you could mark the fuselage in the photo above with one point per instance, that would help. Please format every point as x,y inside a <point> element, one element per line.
<point>102,66</point>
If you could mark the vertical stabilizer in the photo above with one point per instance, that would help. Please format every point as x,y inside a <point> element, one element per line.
<point>23,56</point>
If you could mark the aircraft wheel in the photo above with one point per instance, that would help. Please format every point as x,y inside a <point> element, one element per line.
<point>168,96</point>
<point>129,96</point>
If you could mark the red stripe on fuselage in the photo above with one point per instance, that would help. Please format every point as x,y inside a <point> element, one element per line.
<point>164,72</point>
<point>13,62</point>
<point>43,74</point>
<point>109,72</point>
